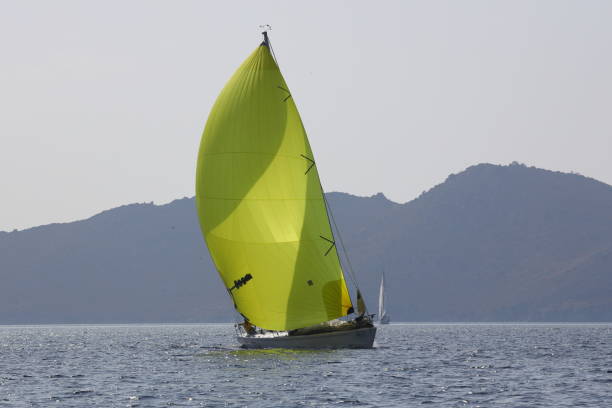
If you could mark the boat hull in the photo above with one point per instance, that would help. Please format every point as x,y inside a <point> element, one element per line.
<point>358,338</point>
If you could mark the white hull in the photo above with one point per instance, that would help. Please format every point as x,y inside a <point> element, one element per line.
<point>356,338</point>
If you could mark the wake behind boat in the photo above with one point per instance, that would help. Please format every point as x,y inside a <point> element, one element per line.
<point>265,220</point>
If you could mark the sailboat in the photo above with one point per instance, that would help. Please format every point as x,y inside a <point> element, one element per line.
<point>265,220</point>
<point>383,316</point>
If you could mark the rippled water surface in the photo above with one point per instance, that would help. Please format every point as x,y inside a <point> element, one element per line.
<point>412,365</point>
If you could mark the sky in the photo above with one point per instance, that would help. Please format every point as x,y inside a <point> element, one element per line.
<point>102,103</point>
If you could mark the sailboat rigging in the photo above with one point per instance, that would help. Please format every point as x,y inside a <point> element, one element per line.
<point>265,221</point>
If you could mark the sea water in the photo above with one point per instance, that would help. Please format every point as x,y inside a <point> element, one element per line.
<point>440,365</point>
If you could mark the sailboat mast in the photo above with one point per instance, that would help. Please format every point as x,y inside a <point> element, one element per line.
<point>266,40</point>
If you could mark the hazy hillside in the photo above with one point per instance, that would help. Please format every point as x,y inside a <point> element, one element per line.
<point>493,243</point>
<point>500,243</point>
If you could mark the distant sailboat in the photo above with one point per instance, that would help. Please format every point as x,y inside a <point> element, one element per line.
<point>383,316</point>
<point>264,217</point>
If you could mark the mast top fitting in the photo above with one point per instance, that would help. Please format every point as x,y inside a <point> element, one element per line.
<point>265,28</point>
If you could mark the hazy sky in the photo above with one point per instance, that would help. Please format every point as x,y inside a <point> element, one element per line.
<point>103,103</point>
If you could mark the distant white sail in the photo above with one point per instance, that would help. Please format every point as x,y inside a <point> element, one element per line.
<point>383,317</point>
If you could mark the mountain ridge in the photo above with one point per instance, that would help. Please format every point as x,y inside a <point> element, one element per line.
<point>491,243</point>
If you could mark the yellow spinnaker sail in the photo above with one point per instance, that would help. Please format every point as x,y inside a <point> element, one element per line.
<point>261,207</point>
